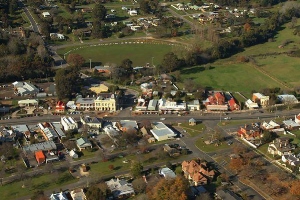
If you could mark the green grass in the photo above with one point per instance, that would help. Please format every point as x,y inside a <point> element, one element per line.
<point>15,190</point>
<point>193,130</point>
<point>210,147</point>
<point>237,122</point>
<point>229,76</point>
<point>140,54</point>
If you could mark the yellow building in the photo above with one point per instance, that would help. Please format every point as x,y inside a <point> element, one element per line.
<point>99,89</point>
<point>106,102</point>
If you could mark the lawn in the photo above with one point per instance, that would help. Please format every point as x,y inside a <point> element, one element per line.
<point>210,147</point>
<point>193,130</point>
<point>229,77</point>
<point>15,190</point>
<point>140,54</point>
<point>237,122</point>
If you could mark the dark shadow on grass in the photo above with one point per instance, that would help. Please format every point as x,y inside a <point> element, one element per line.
<point>193,70</point>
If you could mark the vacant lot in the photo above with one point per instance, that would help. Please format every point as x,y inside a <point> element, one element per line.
<point>140,54</point>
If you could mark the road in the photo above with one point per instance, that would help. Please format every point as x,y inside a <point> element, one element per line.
<point>181,17</point>
<point>34,24</point>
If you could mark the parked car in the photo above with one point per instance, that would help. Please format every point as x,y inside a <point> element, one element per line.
<point>162,119</point>
<point>227,118</point>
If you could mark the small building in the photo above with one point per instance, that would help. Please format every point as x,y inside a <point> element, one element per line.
<point>69,123</point>
<point>132,12</point>
<point>167,173</point>
<point>57,36</point>
<point>103,69</point>
<point>73,154</point>
<point>28,103</point>
<point>85,103</point>
<point>94,124</point>
<point>43,146</point>
<point>49,133</point>
<point>161,132</point>
<point>250,132</point>
<point>251,105</point>
<point>280,146</point>
<point>270,126</point>
<point>128,125</point>
<point>78,194</point>
<point>120,188</point>
<point>192,122</point>
<point>193,105</point>
<point>58,196</point>
<point>290,124</point>
<point>83,143</point>
<point>261,99</point>
<point>60,107</point>
<point>152,104</point>
<point>233,105</point>
<point>40,157</point>
<point>46,14</point>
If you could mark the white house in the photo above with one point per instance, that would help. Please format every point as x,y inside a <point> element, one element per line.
<point>57,36</point>
<point>251,105</point>
<point>28,102</point>
<point>132,12</point>
<point>46,14</point>
<point>120,188</point>
<point>78,194</point>
<point>73,154</point>
<point>161,132</point>
<point>58,196</point>
<point>69,123</point>
<point>167,173</point>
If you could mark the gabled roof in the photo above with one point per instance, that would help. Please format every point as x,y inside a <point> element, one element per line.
<point>83,142</point>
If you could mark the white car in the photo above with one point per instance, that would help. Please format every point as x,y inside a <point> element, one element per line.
<point>124,8</point>
<point>227,118</point>
<point>162,119</point>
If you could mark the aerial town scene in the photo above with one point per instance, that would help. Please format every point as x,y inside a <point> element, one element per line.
<point>149,99</point>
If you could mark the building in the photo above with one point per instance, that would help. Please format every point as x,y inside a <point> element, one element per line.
<point>60,107</point>
<point>192,122</point>
<point>226,195</point>
<point>297,119</point>
<point>40,157</point>
<point>161,132</point>
<point>58,196</point>
<point>46,14</point>
<point>165,105</point>
<point>58,128</point>
<point>73,154</point>
<point>270,126</point>
<point>58,36</point>
<point>280,146</point>
<point>78,194</point>
<point>128,125</point>
<point>193,105</point>
<point>24,88</point>
<point>28,103</point>
<point>83,143</point>
<point>197,172</point>
<point>68,123</point>
<point>106,102</point>
<point>261,99</point>
<point>167,173</point>
<point>233,105</point>
<point>132,12</point>
<point>94,124</point>
<point>43,146</point>
<point>250,132</point>
<point>103,69</point>
<point>290,124</point>
<point>98,89</point>
<point>251,105</point>
<point>85,103</point>
<point>287,99</point>
<point>216,102</point>
<point>120,188</point>
<point>152,104</point>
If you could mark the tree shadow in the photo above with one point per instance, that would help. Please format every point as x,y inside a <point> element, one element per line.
<point>193,70</point>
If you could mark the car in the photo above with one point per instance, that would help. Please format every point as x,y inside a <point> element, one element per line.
<point>162,119</point>
<point>230,142</point>
<point>124,8</point>
<point>227,118</point>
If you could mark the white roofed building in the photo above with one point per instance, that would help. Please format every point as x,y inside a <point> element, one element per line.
<point>69,123</point>
<point>120,188</point>
<point>161,132</point>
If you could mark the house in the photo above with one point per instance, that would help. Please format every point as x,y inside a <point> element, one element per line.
<point>106,102</point>
<point>120,188</point>
<point>260,99</point>
<point>40,157</point>
<point>58,36</point>
<point>85,103</point>
<point>28,103</point>
<point>78,194</point>
<point>287,99</point>
<point>71,105</point>
<point>68,123</point>
<point>60,107</point>
<point>250,132</point>
<point>233,105</point>
<point>73,154</point>
<point>270,126</point>
<point>290,124</point>
<point>173,152</point>
<point>226,195</point>
<point>161,132</point>
<point>152,104</point>
<point>43,146</point>
<point>279,146</point>
<point>58,196</point>
<point>94,124</point>
<point>290,159</point>
<point>21,130</point>
<point>216,102</point>
<point>192,122</point>
<point>49,133</point>
<point>6,135</point>
<point>128,125</point>
<point>99,88</point>
<point>165,105</point>
<point>132,12</point>
<point>198,173</point>
<point>58,128</point>
<point>193,105</point>
<point>24,88</point>
<point>83,143</point>
<point>167,173</point>
<point>297,119</point>
<point>251,105</point>
<point>46,14</point>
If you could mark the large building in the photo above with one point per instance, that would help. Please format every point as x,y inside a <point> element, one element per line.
<point>106,102</point>
<point>69,123</point>
<point>161,132</point>
<point>24,88</point>
<point>261,99</point>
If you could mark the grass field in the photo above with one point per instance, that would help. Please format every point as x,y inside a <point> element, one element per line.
<point>229,77</point>
<point>193,130</point>
<point>140,54</point>
<point>210,147</point>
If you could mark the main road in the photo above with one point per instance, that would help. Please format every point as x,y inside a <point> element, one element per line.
<point>34,24</point>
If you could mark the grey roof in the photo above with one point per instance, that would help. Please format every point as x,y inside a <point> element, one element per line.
<point>58,128</point>
<point>85,100</point>
<point>152,104</point>
<point>192,120</point>
<point>83,142</point>
<point>160,129</point>
<point>167,173</point>
<point>20,128</point>
<point>50,133</point>
<point>44,146</point>
<point>129,124</point>
<point>227,195</point>
<point>94,120</point>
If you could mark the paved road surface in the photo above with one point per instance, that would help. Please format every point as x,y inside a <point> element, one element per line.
<point>34,24</point>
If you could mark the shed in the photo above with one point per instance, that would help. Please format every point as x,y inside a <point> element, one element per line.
<point>40,157</point>
<point>73,154</point>
<point>192,122</point>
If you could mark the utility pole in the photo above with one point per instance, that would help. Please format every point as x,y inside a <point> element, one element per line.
<point>90,63</point>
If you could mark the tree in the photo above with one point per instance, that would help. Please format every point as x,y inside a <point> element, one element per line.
<point>75,60</point>
<point>39,195</point>
<point>139,185</point>
<point>93,192</point>
<point>127,66</point>
<point>170,62</point>
<point>175,189</point>
<point>136,169</point>
<point>236,164</point>
<point>99,12</point>
<point>295,188</point>
<point>267,137</point>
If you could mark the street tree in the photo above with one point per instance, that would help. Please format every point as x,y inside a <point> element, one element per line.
<point>136,169</point>
<point>75,60</point>
<point>295,188</point>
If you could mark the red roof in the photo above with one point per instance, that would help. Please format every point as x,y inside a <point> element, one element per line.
<point>40,157</point>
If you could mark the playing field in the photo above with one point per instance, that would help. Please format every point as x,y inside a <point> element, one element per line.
<point>140,54</point>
